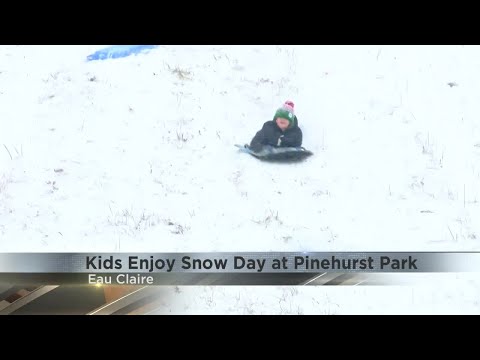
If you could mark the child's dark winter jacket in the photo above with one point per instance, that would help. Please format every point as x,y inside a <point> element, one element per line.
<point>272,135</point>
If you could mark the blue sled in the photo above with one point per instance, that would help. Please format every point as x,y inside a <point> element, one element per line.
<point>119,51</point>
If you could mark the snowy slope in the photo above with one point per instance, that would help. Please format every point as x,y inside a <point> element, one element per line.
<point>136,154</point>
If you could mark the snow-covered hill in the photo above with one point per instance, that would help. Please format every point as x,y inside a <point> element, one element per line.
<point>136,154</point>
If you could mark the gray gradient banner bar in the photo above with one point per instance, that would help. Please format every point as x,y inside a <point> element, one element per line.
<point>268,262</point>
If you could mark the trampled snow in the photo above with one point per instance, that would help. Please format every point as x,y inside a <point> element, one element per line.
<point>136,154</point>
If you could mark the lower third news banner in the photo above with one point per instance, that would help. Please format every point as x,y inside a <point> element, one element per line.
<point>271,268</point>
